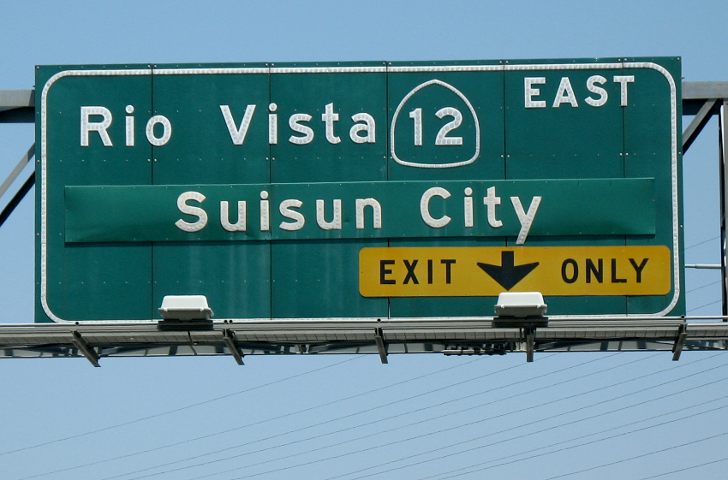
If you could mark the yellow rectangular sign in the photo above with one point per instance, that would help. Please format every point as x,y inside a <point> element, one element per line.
<point>488,271</point>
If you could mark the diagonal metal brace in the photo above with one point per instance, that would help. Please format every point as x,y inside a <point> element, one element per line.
<point>701,119</point>
<point>24,188</point>
<point>682,334</point>
<point>229,337</point>
<point>85,349</point>
<point>381,346</point>
<point>16,171</point>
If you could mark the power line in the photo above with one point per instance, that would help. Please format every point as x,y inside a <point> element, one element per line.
<point>176,410</point>
<point>637,457</point>
<point>338,443</point>
<point>495,443</point>
<point>470,468</point>
<point>432,459</point>
<point>317,424</point>
<point>705,305</point>
<point>702,243</point>
<point>481,466</point>
<point>692,467</point>
<point>470,423</point>
<point>703,286</point>
<point>256,423</point>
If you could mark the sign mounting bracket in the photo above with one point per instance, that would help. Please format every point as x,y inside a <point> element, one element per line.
<point>682,334</point>
<point>381,346</point>
<point>232,345</point>
<point>529,334</point>
<point>85,349</point>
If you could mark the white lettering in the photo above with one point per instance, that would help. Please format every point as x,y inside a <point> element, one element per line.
<point>129,126</point>
<point>531,92</point>
<point>264,212</point>
<point>365,123</point>
<point>425,207</point>
<point>362,203</point>
<point>335,223</point>
<point>240,224</point>
<point>286,208</point>
<point>166,130</point>
<point>329,117</point>
<point>526,218</point>
<point>198,212</point>
<point>468,208</point>
<point>457,120</point>
<point>491,200</point>
<point>237,134</point>
<point>623,81</point>
<point>295,122</point>
<point>272,124</point>
<point>594,85</point>
<point>565,94</point>
<point>416,116</point>
<point>88,126</point>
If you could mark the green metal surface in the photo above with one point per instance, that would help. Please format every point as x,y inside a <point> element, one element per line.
<point>234,277</point>
<point>315,279</point>
<point>647,138</point>
<point>582,142</point>
<point>595,140</point>
<point>116,278</point>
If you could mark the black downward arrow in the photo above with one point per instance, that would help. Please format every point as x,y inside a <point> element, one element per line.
<point>508,274</point>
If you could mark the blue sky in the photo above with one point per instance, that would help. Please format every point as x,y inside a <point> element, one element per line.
<point>421,414</point>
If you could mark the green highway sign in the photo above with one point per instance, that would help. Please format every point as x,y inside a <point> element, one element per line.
<point>301,191</point>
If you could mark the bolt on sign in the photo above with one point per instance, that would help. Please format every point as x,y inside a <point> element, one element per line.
<point>359,190</point>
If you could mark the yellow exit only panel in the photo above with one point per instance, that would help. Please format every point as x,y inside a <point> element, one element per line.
<point>488,271</point>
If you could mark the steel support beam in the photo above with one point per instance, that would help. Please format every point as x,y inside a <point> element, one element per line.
<point>461,337</point>
<point>232,345</point>
<point>17,170</point>
<point>709,108</point>
<point>17,106</point>
<point>703,266</point>
<point>682,335</point>
<point>723,165</point>
<point>381,347</point>
<point>24,188</point>
<point>530,334</point>
<point>17,198</point>
<point>694,94</point>
<point>85,349</point>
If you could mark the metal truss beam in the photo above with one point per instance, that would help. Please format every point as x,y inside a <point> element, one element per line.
<point>17,170</point>
<point>723,167</point>
<point>24,188</point>
<point>462,337</point>
<point>232,345</point>
<point>381,347</point>
<point>682,335</point>
<point>706,111</point>
<point>17,106</point>
<point>17,198</point>
<point>530,336</point>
